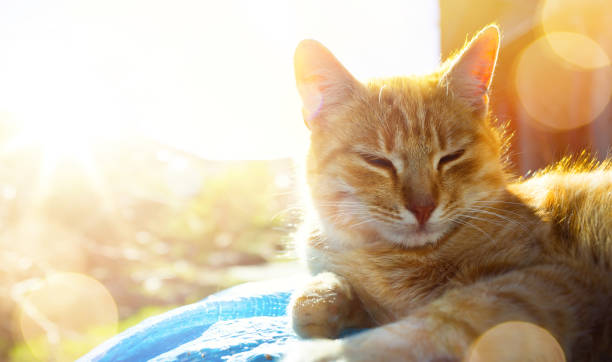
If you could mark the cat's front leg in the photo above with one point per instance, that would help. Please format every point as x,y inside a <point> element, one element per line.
<point>325,306</point>
<point>406,340</point>
<point>521,315</point>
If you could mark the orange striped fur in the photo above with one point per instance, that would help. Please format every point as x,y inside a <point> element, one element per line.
<point>421,233</point>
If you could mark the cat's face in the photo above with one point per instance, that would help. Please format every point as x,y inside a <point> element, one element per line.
<point>400,159</point>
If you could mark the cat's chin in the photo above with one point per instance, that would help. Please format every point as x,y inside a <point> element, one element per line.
<point>408,236</point>
<point>411,238</point>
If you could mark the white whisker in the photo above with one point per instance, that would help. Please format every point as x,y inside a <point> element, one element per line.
<point>471,226</point>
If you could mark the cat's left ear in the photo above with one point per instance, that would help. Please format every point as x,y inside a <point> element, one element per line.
<point>471,74</point>
<point>322,81</point>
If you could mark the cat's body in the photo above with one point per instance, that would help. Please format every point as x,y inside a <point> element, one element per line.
<point>420,231</point>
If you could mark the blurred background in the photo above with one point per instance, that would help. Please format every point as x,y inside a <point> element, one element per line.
<point>148,149</point>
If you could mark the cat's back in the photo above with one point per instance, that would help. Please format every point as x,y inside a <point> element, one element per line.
<point>576,199</point>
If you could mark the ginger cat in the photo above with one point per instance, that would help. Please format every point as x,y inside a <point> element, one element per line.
<point>421,233</point>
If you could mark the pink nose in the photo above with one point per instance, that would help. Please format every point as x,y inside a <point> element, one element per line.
<point>422,212</point>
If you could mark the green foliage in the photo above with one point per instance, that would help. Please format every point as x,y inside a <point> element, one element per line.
<point>68,349</point>
<point>235,207</point>
<point>126,220</point>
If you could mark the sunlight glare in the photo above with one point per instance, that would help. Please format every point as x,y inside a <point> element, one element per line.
<point>211,78</point>
<point>67,139</point>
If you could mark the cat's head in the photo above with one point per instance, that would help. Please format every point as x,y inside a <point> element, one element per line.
<point>400,159</point>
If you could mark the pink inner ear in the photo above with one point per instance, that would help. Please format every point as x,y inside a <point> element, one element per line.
<point>483,69</point>
<point>321,80</point>
<point>471,75</point>
<point>312,97</point>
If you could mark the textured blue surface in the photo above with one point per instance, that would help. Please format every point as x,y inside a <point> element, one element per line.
<point>244,323</point>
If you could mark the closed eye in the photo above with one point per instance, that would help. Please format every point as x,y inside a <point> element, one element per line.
<point>379,162</point>
<point>450,158</point>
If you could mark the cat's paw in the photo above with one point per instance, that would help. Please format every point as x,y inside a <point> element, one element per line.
<point>323,307</point>
<point>316,350</point>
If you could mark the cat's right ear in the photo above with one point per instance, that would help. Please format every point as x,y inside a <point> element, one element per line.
<point>472,71</point>
<point>323,83</point>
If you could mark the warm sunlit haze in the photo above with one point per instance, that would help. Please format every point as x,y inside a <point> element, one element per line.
<point>212,78</point>
<point>148,147</point>
<point>114,117</point>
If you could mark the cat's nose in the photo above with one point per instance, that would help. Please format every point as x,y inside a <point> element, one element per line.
<point>422,212</point>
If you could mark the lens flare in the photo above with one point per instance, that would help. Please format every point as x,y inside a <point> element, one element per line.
<point>65,310</point>
<point>589,21</point>
<point>516,341</point>
<point>556,93</point>
<point>578,49</point>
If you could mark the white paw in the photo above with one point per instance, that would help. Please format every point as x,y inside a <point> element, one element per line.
<point>322,308</point>
<point>316,350</point>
